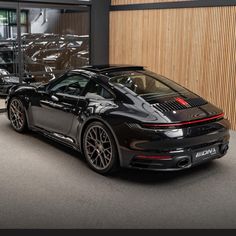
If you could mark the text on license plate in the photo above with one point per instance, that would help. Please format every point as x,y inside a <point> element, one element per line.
<point>205,154</point>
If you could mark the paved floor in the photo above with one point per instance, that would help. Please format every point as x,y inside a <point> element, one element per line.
<point>2,103</point>
<point>44,185</point>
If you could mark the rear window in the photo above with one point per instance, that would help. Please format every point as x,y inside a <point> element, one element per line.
<point>146,83</point>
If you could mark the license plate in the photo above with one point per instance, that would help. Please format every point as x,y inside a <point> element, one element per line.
<point>205,154</point>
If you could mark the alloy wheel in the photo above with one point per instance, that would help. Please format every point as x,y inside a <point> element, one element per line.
<point>16,113</point>
<point>98,147</point>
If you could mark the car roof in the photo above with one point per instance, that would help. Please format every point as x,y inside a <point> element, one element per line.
<point>105,70</point>
<point>102,69</point>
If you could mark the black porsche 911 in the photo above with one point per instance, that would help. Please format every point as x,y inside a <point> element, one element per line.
<point>122,116</point>
<point>7,81</point>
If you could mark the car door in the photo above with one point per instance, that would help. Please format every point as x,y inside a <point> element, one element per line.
<point>57,106</point>
<point>94,100</point>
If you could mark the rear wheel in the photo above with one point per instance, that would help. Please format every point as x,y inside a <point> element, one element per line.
<point>99,148</point>
<point>17,115</point>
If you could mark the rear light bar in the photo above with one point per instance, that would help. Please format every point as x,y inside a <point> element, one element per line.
<point>153,157</point>
<point>185,122</point>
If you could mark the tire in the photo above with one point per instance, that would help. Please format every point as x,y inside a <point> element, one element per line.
<point>99,148</point>
<point>17,115</point>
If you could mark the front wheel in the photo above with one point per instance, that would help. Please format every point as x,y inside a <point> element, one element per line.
<point>100,149</point>
<point>17,115</point>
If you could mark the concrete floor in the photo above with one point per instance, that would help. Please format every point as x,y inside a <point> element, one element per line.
<point>2,103</point>
<point>44,185</point>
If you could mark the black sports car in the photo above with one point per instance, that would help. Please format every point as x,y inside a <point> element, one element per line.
<point>7,81</point>
<point>123,116</point>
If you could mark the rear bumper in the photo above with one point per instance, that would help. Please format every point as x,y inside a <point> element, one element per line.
<point>179,161</point>
<point>142,148</point>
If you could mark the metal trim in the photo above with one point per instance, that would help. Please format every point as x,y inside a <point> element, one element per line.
<point>174,5</point>
<point>60,6</point>
<point>61,2</point>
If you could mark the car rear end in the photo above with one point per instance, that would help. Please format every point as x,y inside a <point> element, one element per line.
<point>150,146</point>
<point>180,130</point>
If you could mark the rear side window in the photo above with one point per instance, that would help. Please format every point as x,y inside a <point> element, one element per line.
<point>146,84</point>
<point>97,91</point>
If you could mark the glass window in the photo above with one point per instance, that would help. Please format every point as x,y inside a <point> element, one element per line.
<point>96,91</point>
<point>55,40</point>
<point>8,23</point>
<point>146,84</point>
<point>73,85</point>
<point>8,44</point>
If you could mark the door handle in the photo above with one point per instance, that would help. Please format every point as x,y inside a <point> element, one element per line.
<point>54,98</point>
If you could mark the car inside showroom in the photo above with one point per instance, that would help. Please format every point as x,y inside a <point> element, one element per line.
<point>117,114</point>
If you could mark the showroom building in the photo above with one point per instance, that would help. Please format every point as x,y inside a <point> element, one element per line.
<point>44,184</point>
<point>46,31</point>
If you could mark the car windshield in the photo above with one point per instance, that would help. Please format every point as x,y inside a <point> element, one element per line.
<point>146,83</point>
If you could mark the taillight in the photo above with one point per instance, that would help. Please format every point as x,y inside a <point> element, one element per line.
<point>184,122</point>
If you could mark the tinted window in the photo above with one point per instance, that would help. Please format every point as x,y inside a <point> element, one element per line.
<point>97,91</point>
<point>145,83</point>
<point>73,85</point>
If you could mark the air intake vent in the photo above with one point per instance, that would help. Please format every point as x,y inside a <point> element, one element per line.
<point>175,105</point>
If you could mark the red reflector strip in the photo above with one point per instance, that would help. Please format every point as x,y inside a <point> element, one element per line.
<point>182,101</point>
<point>154,157</point>
<point>186,122</point>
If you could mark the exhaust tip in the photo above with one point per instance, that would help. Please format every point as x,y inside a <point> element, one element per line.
<point>224,148</point>
<point>183,163</point>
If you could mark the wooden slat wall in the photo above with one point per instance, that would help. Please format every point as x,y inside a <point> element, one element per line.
<point>196,47</point>
<point>124,2</point>
<point>73,23</point>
